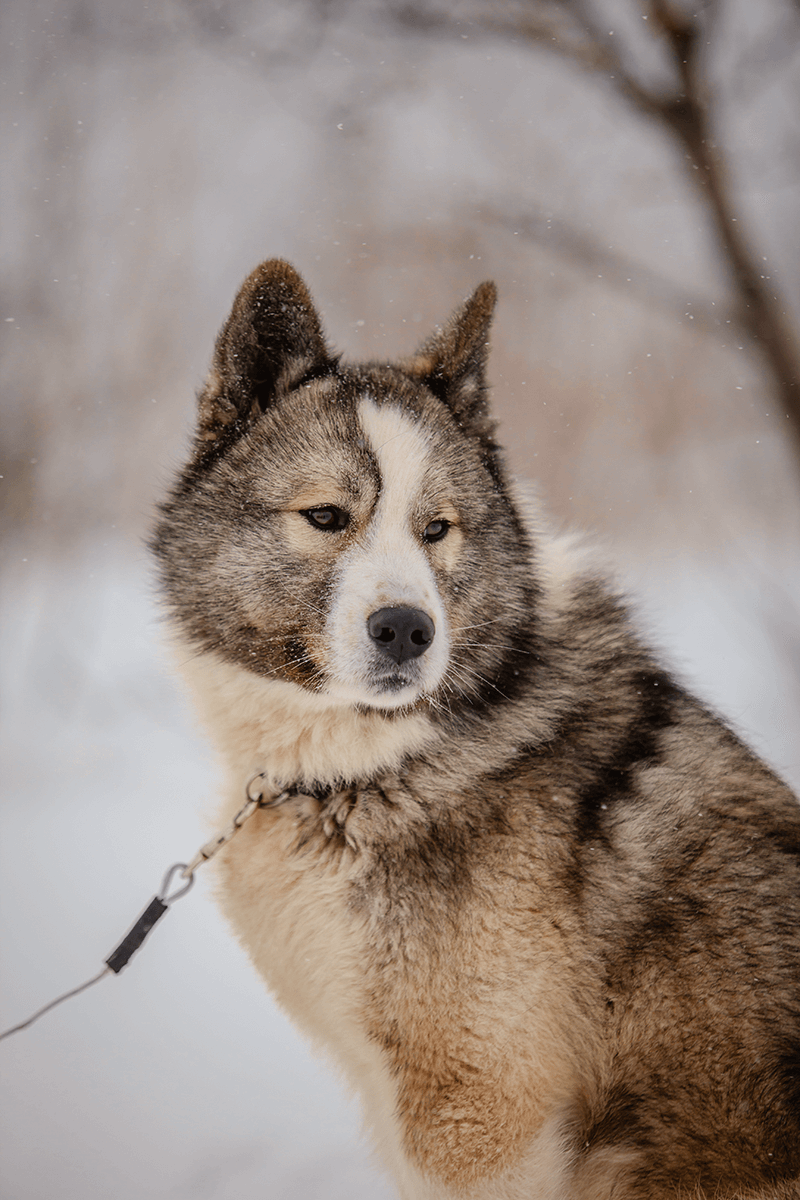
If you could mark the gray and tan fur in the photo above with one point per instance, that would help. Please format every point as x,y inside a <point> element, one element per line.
<point>539,904</point>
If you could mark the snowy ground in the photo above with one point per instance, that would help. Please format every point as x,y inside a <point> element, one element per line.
<point>180,1079</point>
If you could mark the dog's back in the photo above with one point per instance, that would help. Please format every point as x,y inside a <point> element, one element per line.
<point>541,906</point>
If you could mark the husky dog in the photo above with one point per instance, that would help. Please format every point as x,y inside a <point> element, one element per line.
<point>540,905</point>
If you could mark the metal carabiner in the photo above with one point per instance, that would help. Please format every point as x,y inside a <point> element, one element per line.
<point>162,894</point>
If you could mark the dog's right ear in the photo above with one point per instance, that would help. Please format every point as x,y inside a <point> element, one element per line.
<point>452,363</point>
<point>271,341</point>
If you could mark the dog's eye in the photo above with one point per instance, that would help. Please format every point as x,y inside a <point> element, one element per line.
<point>435,531</point>
<point>328,517</point>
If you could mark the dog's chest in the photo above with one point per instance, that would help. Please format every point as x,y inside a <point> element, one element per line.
<point>285,887</point>
<point>288,887</point>
<point>340,901</point>
<point>361,915</point>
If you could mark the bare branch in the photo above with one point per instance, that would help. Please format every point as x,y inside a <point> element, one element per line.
<point>617,271</point>
<point>563,28</point>
<point>687,116</point>
<point>568,29</point>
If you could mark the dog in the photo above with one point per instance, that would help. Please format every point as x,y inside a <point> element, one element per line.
<point>540,905</point>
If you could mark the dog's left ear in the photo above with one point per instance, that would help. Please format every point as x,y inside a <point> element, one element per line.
<point>270,343</point>
<point>452,362</point>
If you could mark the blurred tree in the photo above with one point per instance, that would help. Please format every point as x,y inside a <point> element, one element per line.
<point>663,75</point>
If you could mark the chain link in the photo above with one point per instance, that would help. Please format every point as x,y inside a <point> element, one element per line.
<point>253,803</point>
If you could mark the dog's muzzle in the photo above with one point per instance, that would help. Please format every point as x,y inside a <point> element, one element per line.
<point>401,633</point>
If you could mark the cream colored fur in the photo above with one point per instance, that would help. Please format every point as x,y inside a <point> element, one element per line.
<point>275,904</point>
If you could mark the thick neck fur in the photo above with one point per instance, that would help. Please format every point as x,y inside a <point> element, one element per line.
<point>298,737</point>
<point>291,735</point>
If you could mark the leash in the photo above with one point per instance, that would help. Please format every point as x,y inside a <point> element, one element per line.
<point>121,955</point>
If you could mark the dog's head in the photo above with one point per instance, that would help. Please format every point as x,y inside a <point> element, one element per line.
<point>348,529</point>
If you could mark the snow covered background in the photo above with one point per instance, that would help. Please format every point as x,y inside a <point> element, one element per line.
<point>151,159</point>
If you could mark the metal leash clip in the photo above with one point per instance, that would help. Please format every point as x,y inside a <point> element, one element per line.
<point>161,902</point>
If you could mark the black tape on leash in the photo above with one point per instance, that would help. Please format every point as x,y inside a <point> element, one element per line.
<point>124,952</point>
<point>134,938</point>
<point>121,955</point>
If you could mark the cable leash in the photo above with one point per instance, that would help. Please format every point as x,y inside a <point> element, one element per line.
<point>121,955</point>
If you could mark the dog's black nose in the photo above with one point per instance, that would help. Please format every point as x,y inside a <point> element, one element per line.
<point>402,633</point>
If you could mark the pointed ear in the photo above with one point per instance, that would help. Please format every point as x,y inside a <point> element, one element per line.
<point>452,362</point>
<point>270,342</point>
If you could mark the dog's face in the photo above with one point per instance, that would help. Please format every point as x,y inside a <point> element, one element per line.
<point>343,530</point>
